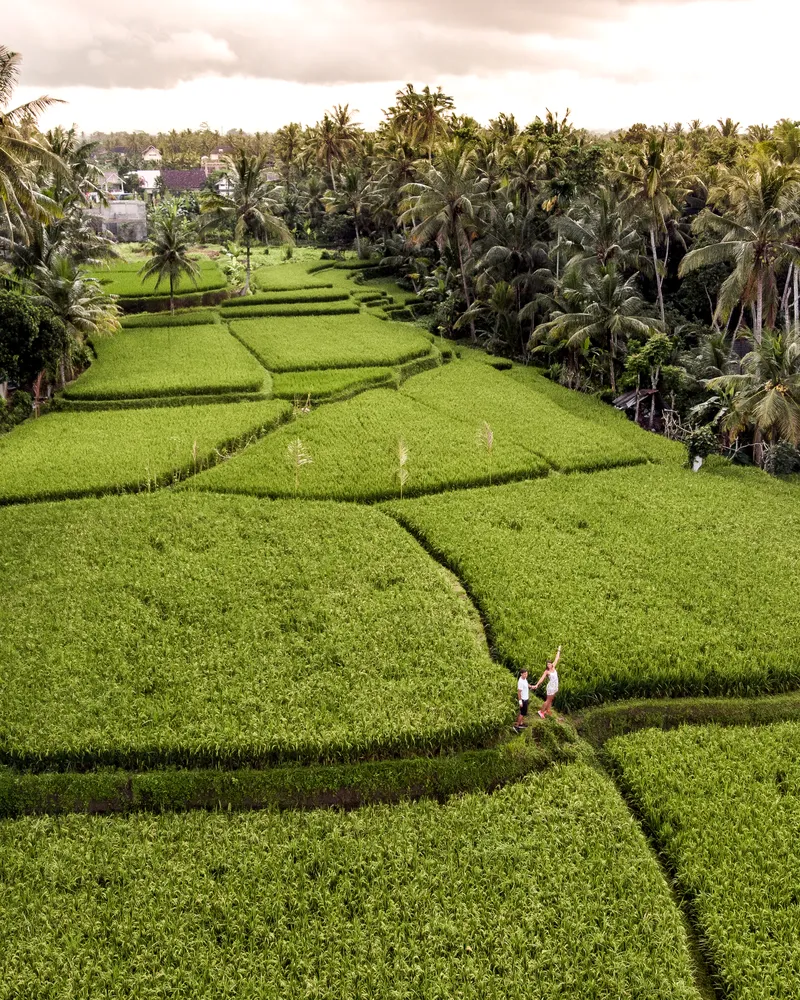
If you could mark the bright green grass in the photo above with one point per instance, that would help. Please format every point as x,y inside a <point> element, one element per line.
<point>123,279</point>
<point>181,317</point>
<point>417,900</point>
<point>284,344</point>
<point>338,307</point>
<point>168,361</point>
<point>353,448</point>
<point>579,404</point>
<point>724,806</point>
<point>206,629</point>
<point>391,288</point>
<point>657,582</point>
<point>516,413</point>
<point>301,296</point>
<point>75,454</point>
<point>288,277</point>
<point>321,384</point>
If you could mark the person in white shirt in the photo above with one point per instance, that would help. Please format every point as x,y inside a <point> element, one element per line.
<point>522,698</point>
<point>551,674</point>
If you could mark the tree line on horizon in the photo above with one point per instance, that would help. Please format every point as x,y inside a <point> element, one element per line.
<point>660,260</point>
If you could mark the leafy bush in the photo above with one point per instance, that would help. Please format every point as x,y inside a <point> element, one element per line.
<point>352,447</point>
<point>64,455</point>
<point>168,361</point>
<point>724,807</point>
<point>205,630</point>
<point>413,900</point>
<point>645,575</point>
<point>328,382</point>
<point>329,342</point>
<point>181,317</point>
<point>525,417</point>
<point>123,279</point>
<point>335,308</point>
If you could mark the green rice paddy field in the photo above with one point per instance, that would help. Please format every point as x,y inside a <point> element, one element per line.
<point>336,566</point>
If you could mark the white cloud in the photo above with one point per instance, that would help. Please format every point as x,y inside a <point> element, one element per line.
<point>193,47</point>
<point>260,63</point>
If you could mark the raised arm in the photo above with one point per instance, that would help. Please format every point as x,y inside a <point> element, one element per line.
<point>558,657</point>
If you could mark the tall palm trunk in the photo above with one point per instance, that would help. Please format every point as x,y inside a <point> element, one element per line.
<point>171,293</point>
<point>796,291</point>
<point>758,316</point>
<point>358,238</point>
<point>247,274</point>
<point>473,334</point>
<point>657,273</point>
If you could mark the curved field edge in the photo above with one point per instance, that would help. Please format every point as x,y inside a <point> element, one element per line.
<point>645,548</point>
<point>129,450</point>
<point>720,806</point>
<point>414,899</point>
<point>312,786</point>
<point>205,631</point>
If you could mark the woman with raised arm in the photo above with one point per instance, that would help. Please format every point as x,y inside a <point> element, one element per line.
<point>551,674</point>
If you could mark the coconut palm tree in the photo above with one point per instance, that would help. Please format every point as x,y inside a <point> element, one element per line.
<point>22,157</point>
<point>609,312</point>
<point>525,165</point>
<point>333,139</point>
<point>351,197</point>
<point>447,202</point>
<point>596,232</point>
<point>424,116</point>
<point>757,234</point>
<point>766,393</point>
<point>168,249</point>
<point>78,301</point>
<point>655,182</point>
<point>251,204</point>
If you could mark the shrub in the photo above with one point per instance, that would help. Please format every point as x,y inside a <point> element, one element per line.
<point>637,572</point>
<point>65,455</point>
<point>328,342</point>
<point>413,900</point>
<point>724,808</point>
<point>208,630</point>
<point>168,361</point>
<point>351,446</point>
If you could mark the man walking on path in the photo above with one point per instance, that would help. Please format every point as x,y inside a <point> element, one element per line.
<point>522,698</point>
<point>552,685</point>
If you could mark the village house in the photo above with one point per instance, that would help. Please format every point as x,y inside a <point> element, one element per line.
<point>152,155</point>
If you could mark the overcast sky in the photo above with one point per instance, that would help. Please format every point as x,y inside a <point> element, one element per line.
<point>256,64</point>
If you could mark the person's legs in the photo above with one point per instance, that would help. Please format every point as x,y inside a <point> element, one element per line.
<point>523,711</point>
<point>547,708</point>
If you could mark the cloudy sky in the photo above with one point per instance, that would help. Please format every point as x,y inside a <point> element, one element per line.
<point>256,64</point>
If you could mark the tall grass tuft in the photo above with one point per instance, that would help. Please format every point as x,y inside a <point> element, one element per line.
<point>401,472</point>
<point>298,457</point>
<point>485,440</point>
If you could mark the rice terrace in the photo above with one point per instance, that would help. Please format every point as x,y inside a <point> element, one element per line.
<point>399,546</point>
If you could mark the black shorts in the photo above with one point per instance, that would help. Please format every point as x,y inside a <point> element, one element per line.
<point>523,708</point>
